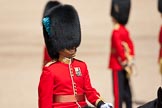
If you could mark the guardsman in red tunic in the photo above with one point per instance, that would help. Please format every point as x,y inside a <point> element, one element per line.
<point>160,37</point>
<point>122,54</point>
<point>48,6</point>
<point>65,81</point>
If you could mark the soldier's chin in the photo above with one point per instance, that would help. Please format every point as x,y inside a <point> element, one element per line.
<point>71,56</point>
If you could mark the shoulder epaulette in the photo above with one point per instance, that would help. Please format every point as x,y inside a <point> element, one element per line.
<point>116,26</point>
<point>50,63</point>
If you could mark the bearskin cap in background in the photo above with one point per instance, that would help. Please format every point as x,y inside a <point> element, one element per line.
<point>49,5</point>
<point>120,10</point>
<point>160,6</point>
<point>61,29</point>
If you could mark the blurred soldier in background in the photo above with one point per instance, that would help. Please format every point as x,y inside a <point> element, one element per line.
<point>48,6</point>
<point>122,53</point>
<point>160,37</point>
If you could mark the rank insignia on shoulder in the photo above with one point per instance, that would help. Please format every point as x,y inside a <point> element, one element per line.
<point>78,71</point>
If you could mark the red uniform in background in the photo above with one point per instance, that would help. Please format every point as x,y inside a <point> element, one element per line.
<point>160,51</point>
<point>160,43</point>
<point>117,56</point>
<point>118,59</point>
<point>160,37</point>
<point>61,79</point>
<point>46,57</point>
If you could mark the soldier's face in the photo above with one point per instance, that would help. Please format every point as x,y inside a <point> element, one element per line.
<point>69,53</point>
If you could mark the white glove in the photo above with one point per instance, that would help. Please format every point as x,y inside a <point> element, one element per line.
<point>107,105</point>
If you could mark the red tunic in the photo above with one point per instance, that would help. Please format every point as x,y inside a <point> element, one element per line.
<point>117,50</point>
<point>160,42</point>
<point>46,57</point>
<point>57,79</point>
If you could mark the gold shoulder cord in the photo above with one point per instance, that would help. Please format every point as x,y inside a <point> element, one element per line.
<point>50,63</point>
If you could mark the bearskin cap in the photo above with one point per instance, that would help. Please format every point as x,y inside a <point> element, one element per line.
<point>160,6</point>
<point>120,10</point>
<point>61,29</point>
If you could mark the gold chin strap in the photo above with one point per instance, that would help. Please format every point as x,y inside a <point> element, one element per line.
<point>65,60</point>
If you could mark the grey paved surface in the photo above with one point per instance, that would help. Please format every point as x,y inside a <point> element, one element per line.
<point>21,48</point>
